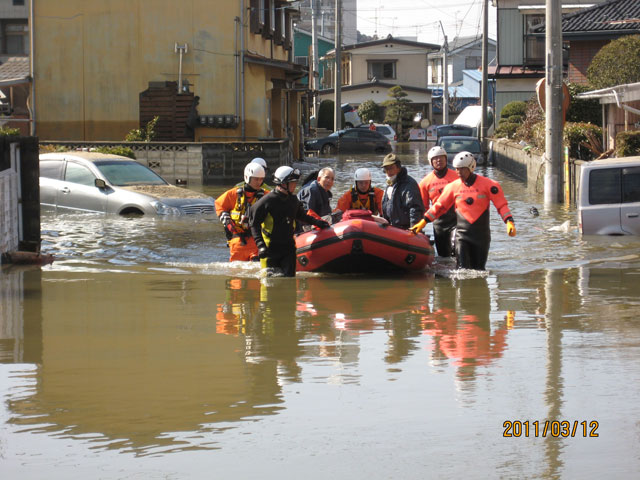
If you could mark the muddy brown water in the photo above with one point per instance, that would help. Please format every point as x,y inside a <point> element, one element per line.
<point>142,353</point>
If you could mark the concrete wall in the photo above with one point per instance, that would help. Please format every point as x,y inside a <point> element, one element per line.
<point>525,165</point>
<point>9,181</point>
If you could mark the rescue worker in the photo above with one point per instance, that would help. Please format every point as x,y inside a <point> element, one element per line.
<point>263,163</point>
<point>372,126</point>
<point>232,207</point>
<point>362,196</point>
<point>401,204</point>
<point>431,187</point>
<point>316,196</point>
<point>471,194</point>
<point>273,222</point>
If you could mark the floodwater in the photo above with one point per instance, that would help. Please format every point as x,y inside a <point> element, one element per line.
<point>142,354</point>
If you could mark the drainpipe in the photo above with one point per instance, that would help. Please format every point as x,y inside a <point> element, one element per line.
<point>32,127</point>
<point>237,71</point>
<point>242,106</point>
<point>626,108</point>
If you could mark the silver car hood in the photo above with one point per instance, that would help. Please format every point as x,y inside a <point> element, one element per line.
<point>167,193</point>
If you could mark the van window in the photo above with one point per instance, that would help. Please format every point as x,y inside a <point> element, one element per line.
<point>631,185</point>
<point>604,186</point>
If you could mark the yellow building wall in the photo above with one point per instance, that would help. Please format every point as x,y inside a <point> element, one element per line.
<point>94,57</point>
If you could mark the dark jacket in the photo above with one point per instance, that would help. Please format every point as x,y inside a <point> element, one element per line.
<point>273,218</point>
<point>315,198</point>
<point>402,203</point>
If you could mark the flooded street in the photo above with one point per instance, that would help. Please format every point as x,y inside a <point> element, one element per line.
<point>141,353</point>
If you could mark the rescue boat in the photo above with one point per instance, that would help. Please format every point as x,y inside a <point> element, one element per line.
<point>360,244</point>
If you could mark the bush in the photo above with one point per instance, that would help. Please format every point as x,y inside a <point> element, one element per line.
<point>583,110</point>
<point>514,108</point>
<point>577,138</point>
<point>616,63</point>
<point>369,110</point>
<point>122,151</point>
<point>145,134</point>
<point>627,144</point>
<point>9,132</point>
<point>531,130</point>
<point>516,119</point>
<point>325,115</point>
<point>53,148</point>
<point>506,130</point>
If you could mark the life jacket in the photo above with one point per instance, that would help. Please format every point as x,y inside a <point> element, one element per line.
<point>239,212</point>
<point>356,201</point>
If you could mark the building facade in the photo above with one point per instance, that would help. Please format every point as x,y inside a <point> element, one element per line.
<point>95,62</point>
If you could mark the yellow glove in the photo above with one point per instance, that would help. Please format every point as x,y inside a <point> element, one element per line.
<point>511,229</point>
<point>417,228</point>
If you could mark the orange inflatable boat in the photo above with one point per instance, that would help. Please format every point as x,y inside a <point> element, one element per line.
<point>359,244</point>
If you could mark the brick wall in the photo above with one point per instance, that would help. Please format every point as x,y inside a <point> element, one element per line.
<point>580,55</point>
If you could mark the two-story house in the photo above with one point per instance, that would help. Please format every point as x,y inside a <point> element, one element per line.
<point>96,62</point>
<point>464,55</point>
<point>521,48</point>
<point>370,69</point>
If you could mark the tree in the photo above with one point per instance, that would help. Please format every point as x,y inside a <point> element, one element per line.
<point>369,110</point>
<point>616,63</point>
<point>397,107</point>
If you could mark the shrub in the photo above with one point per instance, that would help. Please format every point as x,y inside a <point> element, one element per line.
<point>325,115</point>
<point>506,130</point>
<point>627,144</point>
<point>577,138</point>
<point>53,148</point>
<point>616,63</point>
<point>119,150</point>
<point>516,119</point>
<point>145,134</point>
<point>514,108</point>
<point>531,130</point>
<point>369,110</point>
<point>583,110</point>
<point>9,132</point>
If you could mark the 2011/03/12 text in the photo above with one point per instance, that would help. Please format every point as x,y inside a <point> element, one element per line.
<point>551,428</point>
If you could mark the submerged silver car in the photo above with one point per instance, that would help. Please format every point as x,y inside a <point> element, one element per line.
<point>99,182</point>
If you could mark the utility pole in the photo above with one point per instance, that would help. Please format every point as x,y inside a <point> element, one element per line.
<point>313,67</point>
<point>485,75</point>
<point>553,103</point>
<point>445,90</point>
<point>337,101</point>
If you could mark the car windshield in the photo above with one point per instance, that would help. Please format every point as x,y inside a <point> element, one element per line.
<point>121,173</point>
<point>454,146</point>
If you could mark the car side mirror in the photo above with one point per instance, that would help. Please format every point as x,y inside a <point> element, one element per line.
<point>100,183</point>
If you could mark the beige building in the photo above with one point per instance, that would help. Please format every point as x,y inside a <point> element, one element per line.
<point>98,63</point>
<point>370,69</point>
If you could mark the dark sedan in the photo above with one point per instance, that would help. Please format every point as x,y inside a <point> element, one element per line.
<point>350,141</point>
<point>456,144</point>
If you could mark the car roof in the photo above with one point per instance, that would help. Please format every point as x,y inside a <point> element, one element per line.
<point>611,162</point>
<point>88,156</point>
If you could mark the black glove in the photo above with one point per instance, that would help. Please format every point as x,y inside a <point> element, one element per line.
<point>229,230</point>
<point>322,224</point>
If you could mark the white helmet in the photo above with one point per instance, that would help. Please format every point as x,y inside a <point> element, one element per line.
<point>362,174</point>
<point>260,161</point>
<point>464,159</point>
<point>436,152</point>
<point>370,121</point>
<point>253,170</point>
<point>286,174</point>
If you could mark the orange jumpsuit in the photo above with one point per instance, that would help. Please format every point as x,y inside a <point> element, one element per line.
<point>231,208</point>
<point>471,200</point>
<point>353,199</point>
<point>431,186</point>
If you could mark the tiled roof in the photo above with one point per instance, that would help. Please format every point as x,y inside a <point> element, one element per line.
<point>613,16</point>
<point>14,70</point>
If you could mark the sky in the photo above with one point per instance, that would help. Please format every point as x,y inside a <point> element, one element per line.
<point>422,18</point>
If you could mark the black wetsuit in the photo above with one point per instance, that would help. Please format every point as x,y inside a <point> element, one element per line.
<point>273,220</point>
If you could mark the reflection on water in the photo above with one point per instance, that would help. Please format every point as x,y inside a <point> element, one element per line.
<point>141,341</point>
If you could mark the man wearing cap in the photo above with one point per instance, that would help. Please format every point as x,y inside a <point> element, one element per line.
<point>431,186</point>
<point>402,203</point>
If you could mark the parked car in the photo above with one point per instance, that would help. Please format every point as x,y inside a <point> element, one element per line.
<point>609,197</point>
<point>455,145</point>
<point>350,141</point>
<point>451,130</point>
<point>383,129</point>
<point>351,117</point>
<point>99,182</point>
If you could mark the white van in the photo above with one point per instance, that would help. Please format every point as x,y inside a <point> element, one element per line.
<point>471,116</point>
<point>609,197</point>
